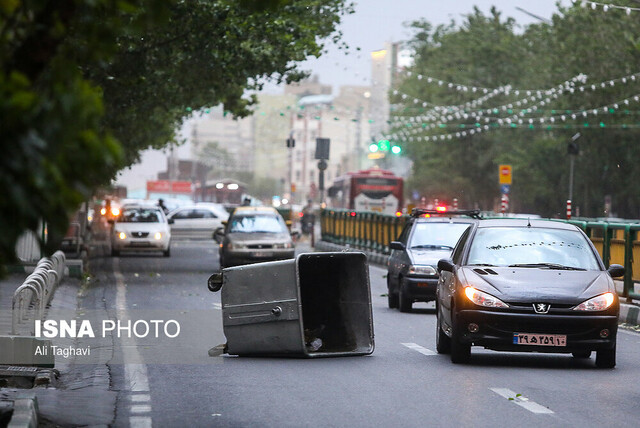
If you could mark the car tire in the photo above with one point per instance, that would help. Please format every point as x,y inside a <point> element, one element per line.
<point>392,298</point>
<point>404,303</point>
<point>115,253</point>
<point>167,252</point>
<point>581,354</point>
<point>443,342</point>
<point>606,358</point>
<point>460,352</point>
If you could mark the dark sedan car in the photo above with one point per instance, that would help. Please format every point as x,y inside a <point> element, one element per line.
<point>527,285</point>
<point>252,235</point>
<point>427,237</point>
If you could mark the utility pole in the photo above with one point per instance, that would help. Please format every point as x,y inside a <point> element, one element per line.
<point>573,150</point>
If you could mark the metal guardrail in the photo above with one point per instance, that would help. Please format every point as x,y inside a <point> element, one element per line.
<point>30,300</point>
<point>617,243</point>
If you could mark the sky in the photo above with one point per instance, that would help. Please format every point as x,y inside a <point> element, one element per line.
<point>373,23</point>
<point>378,21</point>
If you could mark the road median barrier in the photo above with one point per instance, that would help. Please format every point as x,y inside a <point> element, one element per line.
<point>316,305</point>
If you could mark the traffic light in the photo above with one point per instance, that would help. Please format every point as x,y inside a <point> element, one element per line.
<point>385,146</point>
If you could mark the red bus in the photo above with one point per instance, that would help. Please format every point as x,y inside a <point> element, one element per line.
<point>225,191</point>
<point>373,189</point>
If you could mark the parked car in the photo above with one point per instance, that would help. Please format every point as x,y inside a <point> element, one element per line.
<point>527,285</point>
<point>197,221</point>
<point>412,267</point>
<point>140,228</point>
<point>254,234</point>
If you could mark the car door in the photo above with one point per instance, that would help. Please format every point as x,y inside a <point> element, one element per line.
<point>182,223</point>
<point>205,222</point>
<point>447,280</point>
<point>398,259</point>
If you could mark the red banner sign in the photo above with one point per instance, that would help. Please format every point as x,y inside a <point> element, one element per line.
<point>167,186</point>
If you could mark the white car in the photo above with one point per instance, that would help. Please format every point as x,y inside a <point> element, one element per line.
<point>141,228</point>
<point>197,221</point>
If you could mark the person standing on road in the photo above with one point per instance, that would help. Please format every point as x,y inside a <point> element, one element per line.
<point>163,206</point>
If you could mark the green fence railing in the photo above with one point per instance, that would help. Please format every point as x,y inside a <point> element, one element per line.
<point>617,243</point>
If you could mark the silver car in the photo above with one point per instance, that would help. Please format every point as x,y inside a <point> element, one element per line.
<point>197,221</point>
<point>254,234</point>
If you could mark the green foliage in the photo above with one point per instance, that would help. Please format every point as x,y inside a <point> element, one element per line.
<point>85,85</point>
<point>487,51</point>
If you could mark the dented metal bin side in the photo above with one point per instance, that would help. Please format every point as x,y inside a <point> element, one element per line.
<point>316,305</point>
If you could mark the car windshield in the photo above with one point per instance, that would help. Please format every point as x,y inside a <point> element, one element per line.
<point>430,235</point>
<point>140,215</point>
<point>257,223</point>
<point>532,247</point>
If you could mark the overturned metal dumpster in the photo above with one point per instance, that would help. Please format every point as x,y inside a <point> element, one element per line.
<point>316,305</point>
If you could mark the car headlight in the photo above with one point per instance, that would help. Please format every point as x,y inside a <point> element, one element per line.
<point>236,246</point>
<point>121,235</point>
<point>598,303</point>
<point>481,298</point>
<point>283,245</point>
<point>422,270</point>
<point>158,236</point>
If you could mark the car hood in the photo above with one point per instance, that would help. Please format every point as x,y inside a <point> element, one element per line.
<point>529,285</point>
<point>259,237</point>
<point>427,257</point>
<point>141,227</point>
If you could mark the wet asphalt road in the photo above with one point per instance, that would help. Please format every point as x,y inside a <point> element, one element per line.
<point>174,382</point>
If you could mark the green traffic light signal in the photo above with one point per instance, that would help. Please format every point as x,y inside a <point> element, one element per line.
<point>384,145</point>
<point>396,150</point>
<point>373,147</point>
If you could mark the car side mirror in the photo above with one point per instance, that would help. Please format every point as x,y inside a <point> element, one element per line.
<point>224,222</point>
<point>171,220</point>
<point>616,270</point>
<point>215,282</point>
<point>397,245</point>
<point>446,265</point>
<point>218,234</point>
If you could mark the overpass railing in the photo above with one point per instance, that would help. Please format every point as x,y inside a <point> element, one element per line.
<point>617,243</point>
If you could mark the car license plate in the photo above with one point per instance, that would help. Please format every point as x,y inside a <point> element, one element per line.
<point>539,339</point>
<point>260,254</point>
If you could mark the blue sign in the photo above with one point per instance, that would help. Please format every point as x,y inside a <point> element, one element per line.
<point>504,188</point>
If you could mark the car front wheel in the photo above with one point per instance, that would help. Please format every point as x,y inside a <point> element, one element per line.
<point>392,298</point>
<point>443,342</point>
<point>404,303</point>
<point>460,352</point>
<point>606,358</point>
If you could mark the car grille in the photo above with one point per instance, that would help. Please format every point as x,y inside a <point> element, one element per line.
<point>139,234</point>
<point>259,246</point>
<point>541,325</point>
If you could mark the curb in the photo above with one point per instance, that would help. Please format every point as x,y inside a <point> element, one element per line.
<point>629,314</point>
<point>25,411</point>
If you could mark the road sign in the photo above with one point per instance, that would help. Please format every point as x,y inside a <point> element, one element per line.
<point>322,148</point>
<point>505,188</point>
<point>504,174</point>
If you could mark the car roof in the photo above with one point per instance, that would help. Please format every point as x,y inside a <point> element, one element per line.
<point>138,205</point>
<point>446,219</point>
<point>520,222</point>
<point>255,210</point>
<point>200,205</point>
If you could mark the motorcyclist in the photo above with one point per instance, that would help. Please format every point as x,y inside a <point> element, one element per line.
<point>308,218</point>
